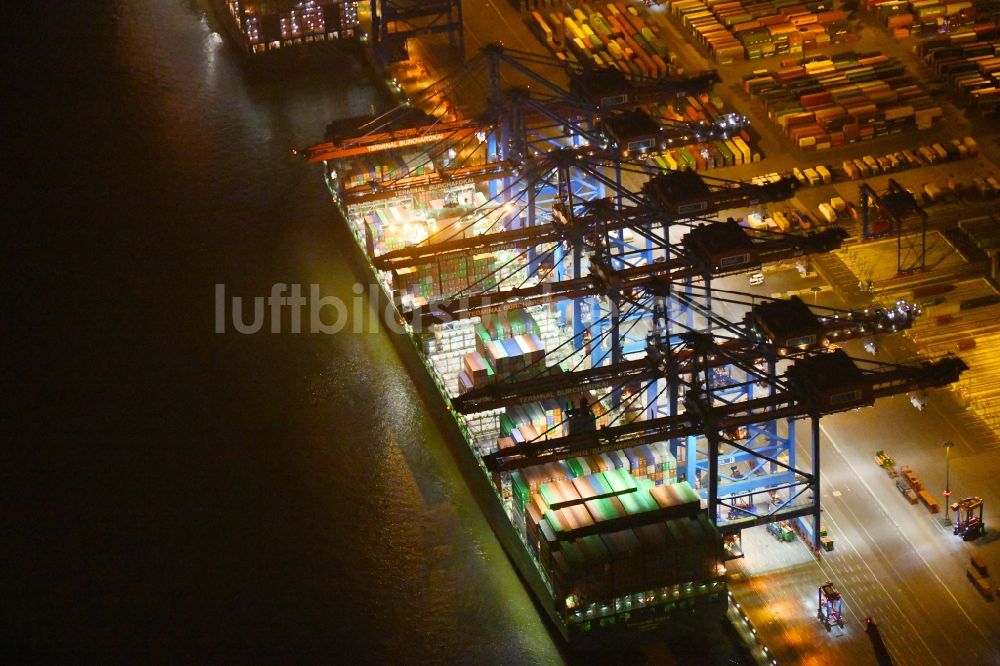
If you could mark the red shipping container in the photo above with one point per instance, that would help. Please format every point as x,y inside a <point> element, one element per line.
<point>771,20</point>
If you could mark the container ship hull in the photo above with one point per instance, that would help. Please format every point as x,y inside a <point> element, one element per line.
<point>638,623</point>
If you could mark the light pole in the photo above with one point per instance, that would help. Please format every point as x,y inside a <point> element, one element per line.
<point>947,477</point>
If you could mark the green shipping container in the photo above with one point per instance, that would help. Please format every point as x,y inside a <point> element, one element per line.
<point>520,488</point>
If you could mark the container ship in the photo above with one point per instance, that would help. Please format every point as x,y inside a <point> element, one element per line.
<point>264,28</point>
<point>551,300</point>
<point>612,543</point>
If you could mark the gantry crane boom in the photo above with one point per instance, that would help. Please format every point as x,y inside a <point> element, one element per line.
<point>793,403</point>
<point>540,382</point>
<point>382,141</point>
<point>557,384</point>
<point>675,269</point>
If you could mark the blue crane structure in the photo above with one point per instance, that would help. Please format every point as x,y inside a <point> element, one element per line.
<point>626,256</point>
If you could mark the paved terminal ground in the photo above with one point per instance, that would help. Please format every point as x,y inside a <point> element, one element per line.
<point>892,560</point>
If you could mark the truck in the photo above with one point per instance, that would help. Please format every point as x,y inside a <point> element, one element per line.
<point>928,154</point>
<point>982,188</point>
<point>783,224</point>
<point>805,221</point>
<point>955,186</point>
<point>970,145</point>
<point>994,184</point>
<point>912,158</point>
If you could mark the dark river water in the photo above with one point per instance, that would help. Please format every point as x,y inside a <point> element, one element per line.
<point>173,494</point>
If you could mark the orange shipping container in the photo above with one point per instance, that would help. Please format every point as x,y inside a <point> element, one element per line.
<point>661,64</point>
<point>743,27</point>
<point>737,153</point>
<point>802,19</point>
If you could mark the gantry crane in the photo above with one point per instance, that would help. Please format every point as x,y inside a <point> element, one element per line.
<point>969,518</point>
<point>626,257</point>
<point>830,605</point>
<point>396,21</point>
<point>887,214</point>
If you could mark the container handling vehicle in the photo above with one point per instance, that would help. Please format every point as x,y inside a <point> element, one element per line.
<point>830,605</point>
<point>969,518</point>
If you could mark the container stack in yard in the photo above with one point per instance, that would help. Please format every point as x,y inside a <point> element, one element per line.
<point>971,68</point>
<point>708,31</point>
<point>608,35</point>
<point>700,156</point>
<point>713,154</point>
<point>904,18</point>
<point>732,30</point>
<point>842,99</point>
<point>984,233</point>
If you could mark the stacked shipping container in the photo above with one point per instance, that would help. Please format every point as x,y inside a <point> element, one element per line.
<point>612,35</point>
<point>849,97</point>
<point>734,30</point>
<point>384,166</point>
<point>702,155</point>
<point>652,462</point>
<point>507,346</point>
<point>518,357</point>
<point>709,155</point>
<point>446,277</point>
<point>971,68</point>
<point>450,343</point>
<point>606,535</point>
<point>922,17</point>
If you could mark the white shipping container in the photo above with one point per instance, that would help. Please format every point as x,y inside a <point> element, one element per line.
<point>827,212</point>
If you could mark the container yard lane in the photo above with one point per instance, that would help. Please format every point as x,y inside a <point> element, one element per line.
<point>919,561</point>
<point>892,560</point>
